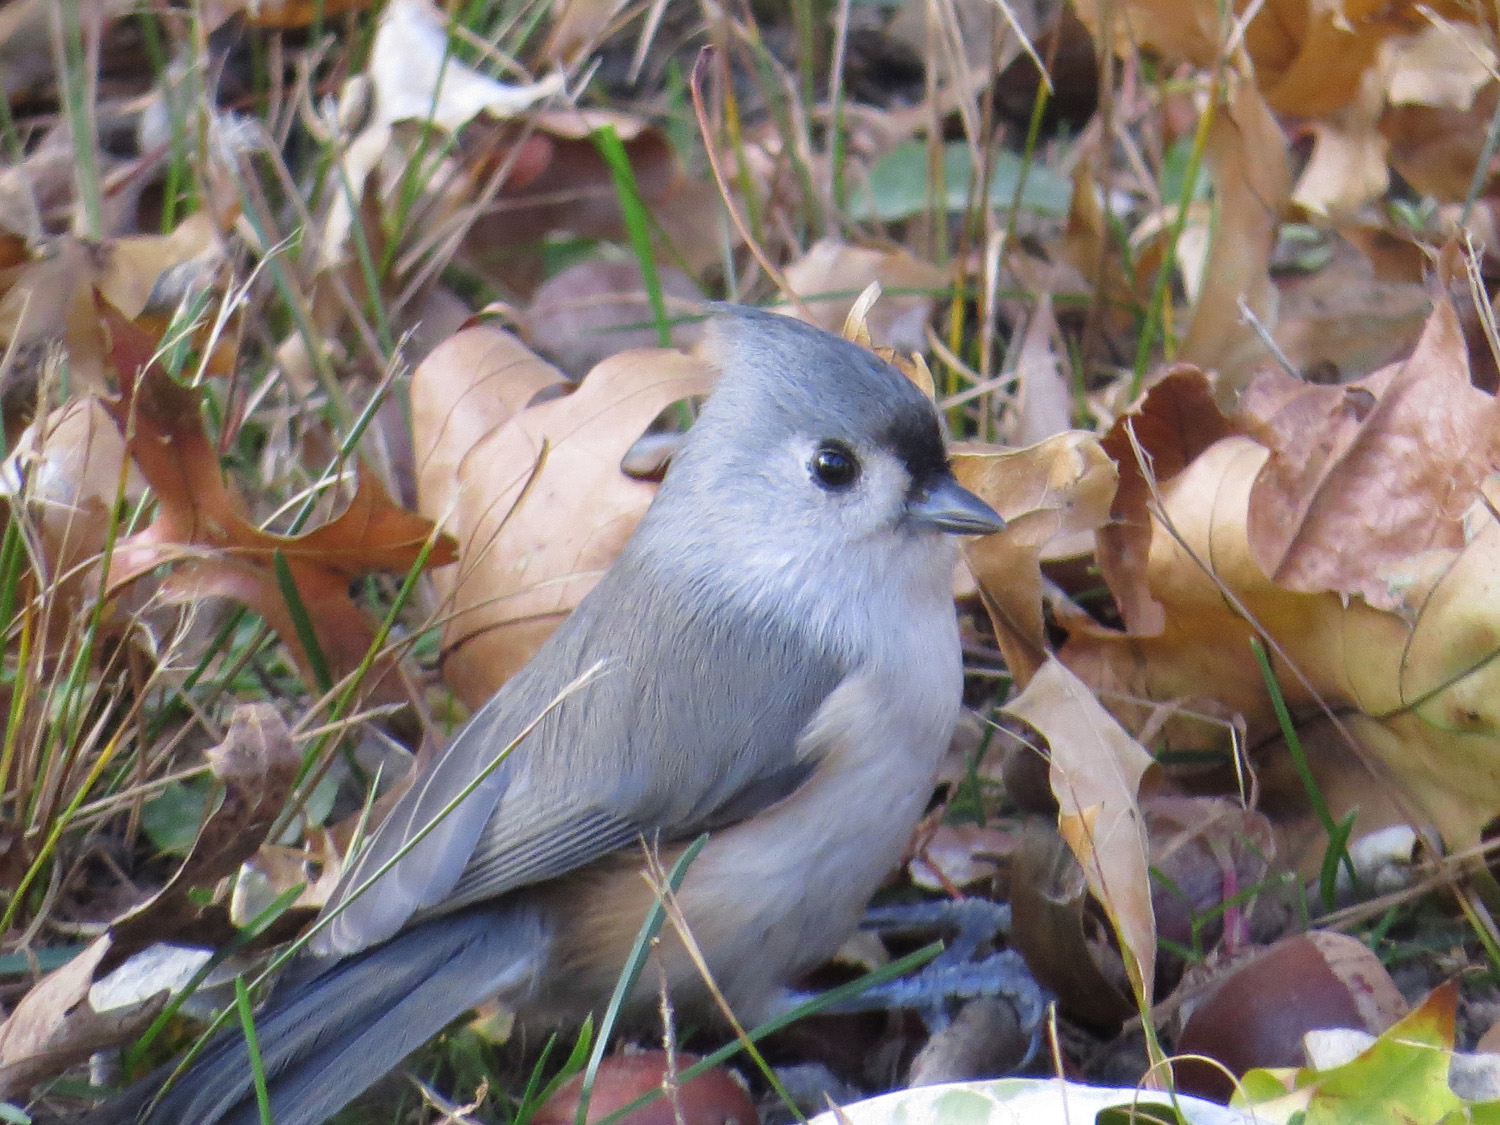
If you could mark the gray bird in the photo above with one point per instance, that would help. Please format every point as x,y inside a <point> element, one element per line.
<point>778,665</point>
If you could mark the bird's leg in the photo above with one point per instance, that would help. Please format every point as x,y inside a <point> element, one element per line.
<point>960,972</point>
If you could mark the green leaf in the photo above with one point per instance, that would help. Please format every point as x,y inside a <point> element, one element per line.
<point>899,184</point>
<point>1401,1079</point>
<point>172,817</point>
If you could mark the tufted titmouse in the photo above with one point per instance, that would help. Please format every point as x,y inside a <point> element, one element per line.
<point>777,665</point>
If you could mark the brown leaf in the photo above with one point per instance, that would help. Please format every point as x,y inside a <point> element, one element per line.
<point>1345,319</point>
<point>598,307</point>
<point>1097,770</point>
<point>960,855</point>
<point>1175,422</point>
<point>53,1027</point>
<point>1048,492</point>
<point>577,28</point>
<point>573,190</point>
<point>201,522</point>
<point>832,275</point>
<point>538,503</point>
<point>1247,159</point>
<point>1044,394</point>
<point>1363,477</point>
<point>1053,929</point>
<point>1418,699</point>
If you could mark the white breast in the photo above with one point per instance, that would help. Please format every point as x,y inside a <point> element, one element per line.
<point>803,870</point>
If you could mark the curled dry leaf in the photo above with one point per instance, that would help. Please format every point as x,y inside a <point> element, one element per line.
<point>534,494</point>
<point>1048,492</point>
<point>415,77</point>
<point>1175,422</point>
<point>201,527</point>
<point>50,301</point>
<point>1055,931</point>
<point>64,477</point>
<point>1364,477</point>
<point>1097,770</point>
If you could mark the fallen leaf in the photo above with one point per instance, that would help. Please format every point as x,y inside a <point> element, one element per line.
<point>1175,422</point>
<point>200,522</point>
<point>1061,938</point>
<point>53,1027</point>
<point>1044,395</point>
<point>599,307</point>
<point>415,78</point>
<point>577,28</point>
<point>573,190</point>
<point>66,473</point>
<point>832,274</point>
<point>1363,477</point>
<point>960,855</point>
<point>1097,771</point>
<point>1247,160</point>
<point>538,504</point>
<point>254,767</point>
<point>1348,166</point>
<point>1344,320</point>
<point>1048,492</point>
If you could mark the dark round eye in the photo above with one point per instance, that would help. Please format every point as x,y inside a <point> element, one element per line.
<point>834,465</point>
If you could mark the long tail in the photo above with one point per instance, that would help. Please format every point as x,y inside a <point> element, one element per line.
<point>325,1040</point>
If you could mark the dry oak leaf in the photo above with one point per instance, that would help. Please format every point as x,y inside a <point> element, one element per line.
<point>1048,493</point>
<point>832,274</point>
<point>1365,476</point>
<point>200,524</point>
<point>1310,56</point>
<point>538,503</point>
<point>51,298</point>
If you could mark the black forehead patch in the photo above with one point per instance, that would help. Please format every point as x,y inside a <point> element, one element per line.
<point>913,436</point>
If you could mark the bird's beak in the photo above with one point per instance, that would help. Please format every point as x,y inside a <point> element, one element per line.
<point>948,506</point>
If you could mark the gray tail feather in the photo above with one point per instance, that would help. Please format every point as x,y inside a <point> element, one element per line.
<point>325,1040</point>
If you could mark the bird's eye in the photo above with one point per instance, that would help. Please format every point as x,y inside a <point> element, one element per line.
<point>834,465</point>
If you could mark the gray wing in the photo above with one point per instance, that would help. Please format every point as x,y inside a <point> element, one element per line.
<point>666,740</point>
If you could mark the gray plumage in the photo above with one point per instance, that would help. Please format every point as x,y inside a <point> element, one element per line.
<point>777,663</point>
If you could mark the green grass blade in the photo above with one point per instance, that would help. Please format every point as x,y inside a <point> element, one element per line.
<point>252,1044</point>
<point>626,982</point>
<point>302,622</point>
<point>637,222</point>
